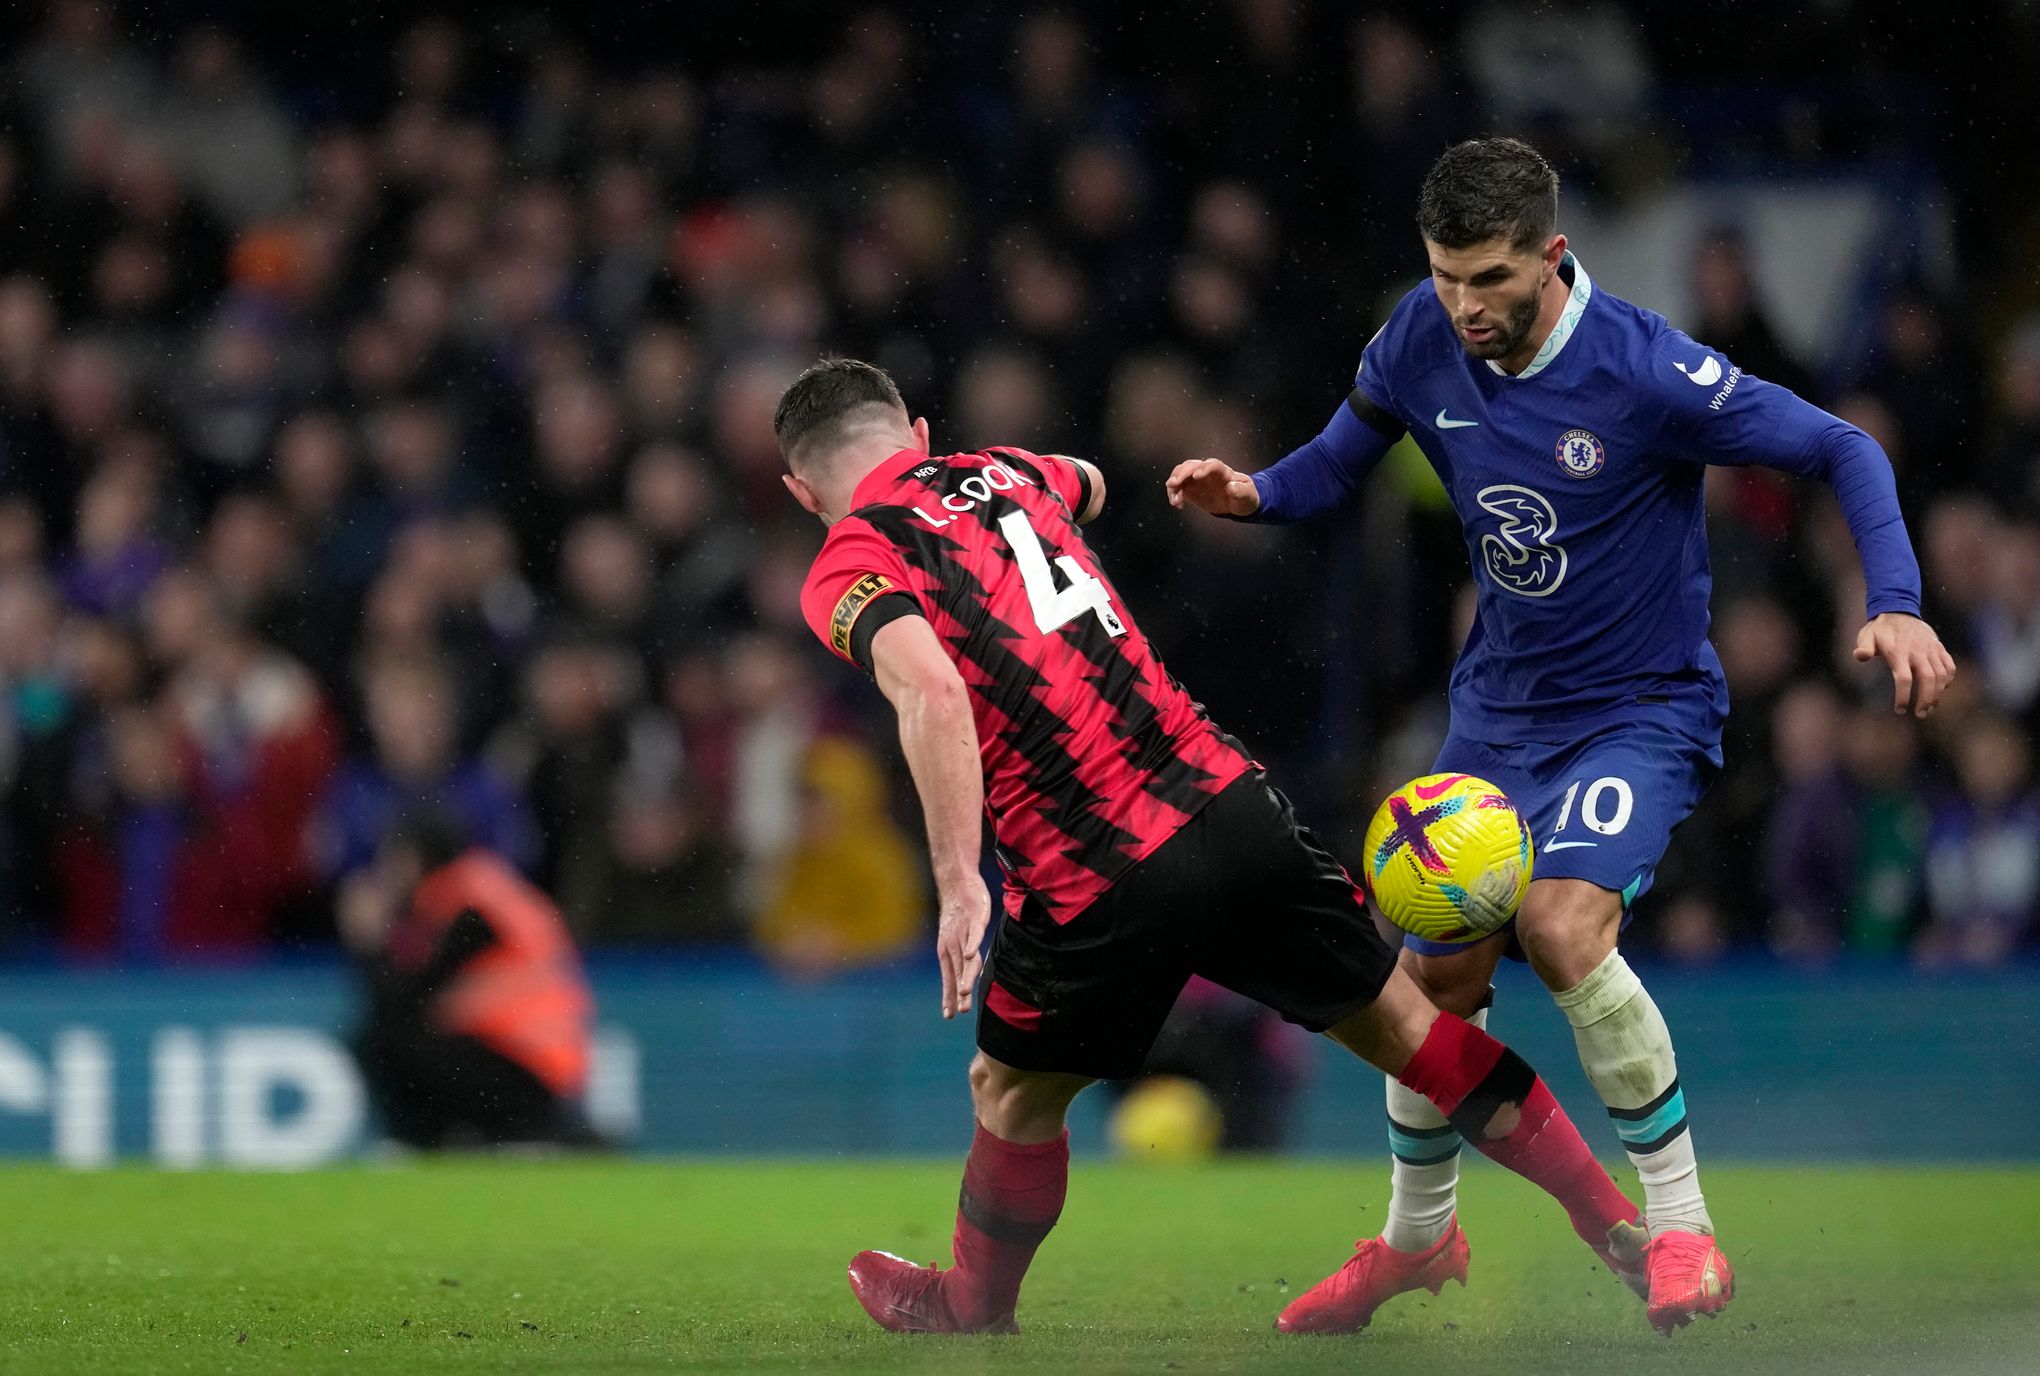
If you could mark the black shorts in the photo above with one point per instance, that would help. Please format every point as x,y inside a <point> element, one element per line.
<point>1242,895</point>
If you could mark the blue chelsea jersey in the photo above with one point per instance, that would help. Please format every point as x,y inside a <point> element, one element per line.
<point>1578,484</point>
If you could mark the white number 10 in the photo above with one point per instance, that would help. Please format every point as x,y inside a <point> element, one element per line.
<point>1590,806</point>
<point>1055,607</point>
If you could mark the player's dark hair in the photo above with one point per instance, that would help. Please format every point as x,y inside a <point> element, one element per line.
<point>825,402</point>
<point>1489,188</point>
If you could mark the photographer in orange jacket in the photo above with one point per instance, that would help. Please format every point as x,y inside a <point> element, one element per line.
<point>478,1018</point>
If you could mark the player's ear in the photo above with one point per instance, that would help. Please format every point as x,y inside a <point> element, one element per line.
<point>802,493</point>
<point>920,428</point>
<point>1554,252</point>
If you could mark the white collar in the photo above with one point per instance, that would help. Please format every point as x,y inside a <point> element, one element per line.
<point>1568,321</point>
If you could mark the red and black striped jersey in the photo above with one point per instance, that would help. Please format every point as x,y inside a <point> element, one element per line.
<point>1093,756</point>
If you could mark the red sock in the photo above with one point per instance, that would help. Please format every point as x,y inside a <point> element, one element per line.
<point>1481,1086</point>
<point>1012,1195</point>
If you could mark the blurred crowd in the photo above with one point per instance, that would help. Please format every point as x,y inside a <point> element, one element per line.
<point>406,440</point>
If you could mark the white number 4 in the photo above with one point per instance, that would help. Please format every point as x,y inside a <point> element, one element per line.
<point>1055,607</point>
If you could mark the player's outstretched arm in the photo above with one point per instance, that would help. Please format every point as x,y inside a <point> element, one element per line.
<point>940,740</point>
<point>1309,481</point>
<point>1920,665</point>
<point>1750,421</point>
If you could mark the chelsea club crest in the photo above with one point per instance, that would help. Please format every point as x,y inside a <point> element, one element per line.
<point>1580,454</point>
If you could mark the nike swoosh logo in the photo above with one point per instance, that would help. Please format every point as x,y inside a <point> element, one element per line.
<point>1429,791</point>
<point>1563,845</point>
<point>1443,424</point>
<point>1706,375</point>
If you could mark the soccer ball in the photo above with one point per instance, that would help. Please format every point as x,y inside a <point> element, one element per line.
<point>1166,1118</point>
<point>1448,857</point>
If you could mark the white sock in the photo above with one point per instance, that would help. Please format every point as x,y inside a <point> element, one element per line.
<point>1626,1050</point>
<point>1425,1188</point>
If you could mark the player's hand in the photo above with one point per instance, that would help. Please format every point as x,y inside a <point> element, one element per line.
<point>966,913</point>
<point>1920,665</point>
<point>1213,485</point>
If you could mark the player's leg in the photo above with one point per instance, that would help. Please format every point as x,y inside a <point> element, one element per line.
<point>1059,1005</point>
<point>1631,790</point>
<point>1491,1095</point>
<point>1014,1182</point>
<point>1299,939</point>
<point>1423,1196</point>
<point>1423,1146</point>
<point>1568,927</point>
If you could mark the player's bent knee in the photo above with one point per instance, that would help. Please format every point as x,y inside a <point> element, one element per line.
<point>994,1084</point>
<point>1568,930</point>
<point>984,1076</point>
<point>1020,1105</point>
<point>1388,1031</point>
<point>1454,983</point>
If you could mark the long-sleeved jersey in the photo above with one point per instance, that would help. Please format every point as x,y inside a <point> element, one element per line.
<point>1578,484</point>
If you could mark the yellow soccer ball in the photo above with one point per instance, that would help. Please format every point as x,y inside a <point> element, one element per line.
<point>1166,1118</point>
<point>1448,857</point>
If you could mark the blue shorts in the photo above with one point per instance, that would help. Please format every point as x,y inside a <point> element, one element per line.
<point>1601,809</point>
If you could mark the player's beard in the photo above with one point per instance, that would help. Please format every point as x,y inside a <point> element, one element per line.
<point>1515,328</point>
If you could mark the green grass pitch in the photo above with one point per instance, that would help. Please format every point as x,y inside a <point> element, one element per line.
<point>608,1266</point>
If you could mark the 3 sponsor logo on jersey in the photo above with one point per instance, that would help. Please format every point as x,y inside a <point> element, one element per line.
<point>1580,453</point>
<point>975,491</point>
<point>1522,554</point>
